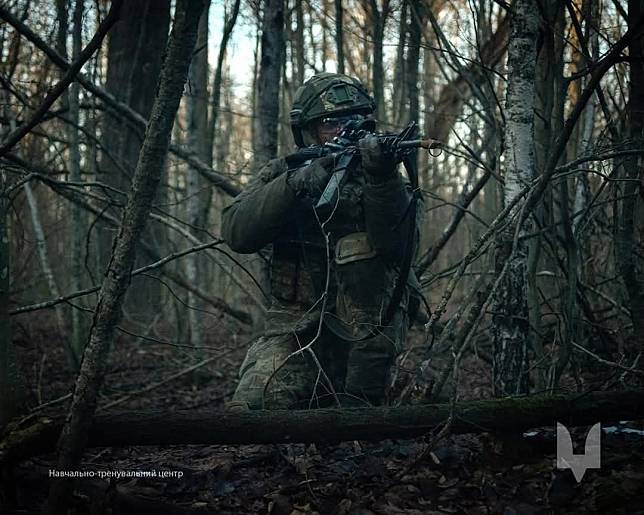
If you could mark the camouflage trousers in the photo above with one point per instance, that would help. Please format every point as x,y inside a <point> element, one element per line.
<point>275,376</point>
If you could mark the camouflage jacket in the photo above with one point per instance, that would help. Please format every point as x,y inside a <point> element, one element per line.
<point>367,239</point>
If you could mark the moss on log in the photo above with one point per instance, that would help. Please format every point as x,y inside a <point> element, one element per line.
<point>508,415</point>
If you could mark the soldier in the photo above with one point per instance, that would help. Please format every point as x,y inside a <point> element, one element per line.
<point>325,340</point>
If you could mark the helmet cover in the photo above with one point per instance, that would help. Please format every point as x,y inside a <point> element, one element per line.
<point>325,95</point>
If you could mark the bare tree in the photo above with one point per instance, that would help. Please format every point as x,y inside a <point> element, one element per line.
<point>298,43</point>
<point>229,25</point>
<point>43,255</point>
<point>378,19</point>
<point>145,182</point>
<point>398,100</point>
<point>134,55</point>
<point>631,230</point>
<point>12,396</point>
<point>76,228</point>
<point>549,107</point>
<point>416,26</point>
<point>268,81</point>
<point>339,35</point>
<point>510,322</point>
<point>198,191</point>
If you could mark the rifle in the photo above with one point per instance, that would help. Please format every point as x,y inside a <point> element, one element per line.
<point>345,147</point>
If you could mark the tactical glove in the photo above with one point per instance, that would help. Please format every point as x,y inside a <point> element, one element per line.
<point>311,179</point>
<point>378,165</point>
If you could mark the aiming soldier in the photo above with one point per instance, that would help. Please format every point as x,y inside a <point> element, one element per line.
<point>340,308</point>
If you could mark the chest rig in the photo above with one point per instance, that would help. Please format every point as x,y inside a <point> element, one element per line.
<point>345,271</point>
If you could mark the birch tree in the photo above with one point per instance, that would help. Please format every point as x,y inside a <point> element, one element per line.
<point>510,321</point>
<point>76,227</point>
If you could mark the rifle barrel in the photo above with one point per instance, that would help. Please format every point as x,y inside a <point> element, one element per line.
<point>427,143</point>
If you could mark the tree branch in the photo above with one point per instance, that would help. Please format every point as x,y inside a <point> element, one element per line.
<point>217,179</point>
<point>72,70</point>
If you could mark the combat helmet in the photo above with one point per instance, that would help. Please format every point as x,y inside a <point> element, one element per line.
<point>327,94</point>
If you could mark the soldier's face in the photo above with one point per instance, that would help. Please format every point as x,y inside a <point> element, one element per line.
<point>326,131</point>
<point>328,128</point>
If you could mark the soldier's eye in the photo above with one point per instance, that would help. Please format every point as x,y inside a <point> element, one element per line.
<point>336,122</point>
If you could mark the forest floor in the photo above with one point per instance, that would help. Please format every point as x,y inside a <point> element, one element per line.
<point>464,474</point>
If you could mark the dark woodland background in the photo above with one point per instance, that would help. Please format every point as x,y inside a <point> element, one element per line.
<point>531,256</point>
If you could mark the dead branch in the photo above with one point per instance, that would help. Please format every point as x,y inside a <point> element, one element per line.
<point>217,179</point>
<point>73,436</point>
<point>72,70</point>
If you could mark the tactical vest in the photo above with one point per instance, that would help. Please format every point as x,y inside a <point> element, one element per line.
<point>359,283</point>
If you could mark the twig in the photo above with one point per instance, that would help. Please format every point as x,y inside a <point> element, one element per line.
<point>162,382</point>
<point>612,364</point>
<point>57,400</point>
<point>219,180</point>
<point>16,135</point>
<point>88,291</point>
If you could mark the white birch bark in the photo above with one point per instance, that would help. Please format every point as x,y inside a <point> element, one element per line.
<point>510,323</point>
<point>76,226</point>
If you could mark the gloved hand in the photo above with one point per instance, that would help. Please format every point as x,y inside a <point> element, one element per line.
<point>311,179</point>
<point>378,165</point>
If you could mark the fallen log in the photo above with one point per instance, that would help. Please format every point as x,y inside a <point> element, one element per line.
<point>510,415</point>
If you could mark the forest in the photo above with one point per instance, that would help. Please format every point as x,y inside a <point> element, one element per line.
<point>131,129</point>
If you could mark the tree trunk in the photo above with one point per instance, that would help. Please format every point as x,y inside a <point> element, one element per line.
<point>631,230</point>
<point>254,123</point>
<point>416,26</point>
<point>43,256</point>
<point>298,43</point>
<point>145,182</point>
<point>582,186</point>
<point>339,35</point>
<point>511,415</point>
<point>379,21</point>
<point>197,190</point>
<point>11,391</point>
<point>398,100</point>
<point>268,87</point>
<point>76,228</point>
<point>510,327</point>
<point>134,54</point>
<point>70,103</point>
<point>548,124</point>
<point>229,25</point>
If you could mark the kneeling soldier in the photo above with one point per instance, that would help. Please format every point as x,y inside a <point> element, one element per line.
<point>331,283</point>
